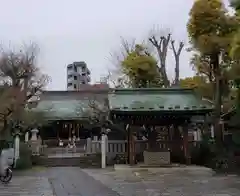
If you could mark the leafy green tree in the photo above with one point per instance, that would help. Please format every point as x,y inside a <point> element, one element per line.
<point>115,76</point>
<point>210,30</point>
<point>200,84</point>
<point>141,68</point>
<point>235,54</point>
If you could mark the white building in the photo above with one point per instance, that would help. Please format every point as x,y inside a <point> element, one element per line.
<point>77,75</point>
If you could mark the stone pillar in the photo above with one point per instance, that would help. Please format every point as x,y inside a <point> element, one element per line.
<point>212,131</point>
<point>89,145</point>
<point>103,150</point>
<point>34,134</point>
<point>26,136</point>
<point>16,148</point>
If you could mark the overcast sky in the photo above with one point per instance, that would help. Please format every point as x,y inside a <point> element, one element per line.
<point>80,30</point>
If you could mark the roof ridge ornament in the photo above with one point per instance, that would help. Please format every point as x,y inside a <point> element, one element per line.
<point>161,106</point>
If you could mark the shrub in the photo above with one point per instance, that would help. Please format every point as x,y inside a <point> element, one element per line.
<point>24,162</point>
<point>201,154</point>
<point>5,144</point>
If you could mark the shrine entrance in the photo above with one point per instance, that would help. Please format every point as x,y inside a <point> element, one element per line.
<point>162,116</point>
<point>68,130</point>
<point>65,131</point>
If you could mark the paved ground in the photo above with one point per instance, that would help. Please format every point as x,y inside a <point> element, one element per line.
<point>27,186</point>
<point>58,181</point>
<point>96,182</point>
<point>168,183</point>
<point>75,182</point>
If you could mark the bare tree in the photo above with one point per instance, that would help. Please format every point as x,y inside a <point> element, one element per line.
<point>21,80</point>
<point>177,53</point>
<point>116,76</point>
<point>98,114</point>
<point>161,43</point>
<point>116,80</point>
<point>126,47</point>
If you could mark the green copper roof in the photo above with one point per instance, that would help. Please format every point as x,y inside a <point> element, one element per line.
<point>69,105</point>
<point>63,109</point>
<point>156,100</point>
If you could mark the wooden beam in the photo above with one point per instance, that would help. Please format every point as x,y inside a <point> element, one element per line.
<point>187,154</point>
<point>132,147</point>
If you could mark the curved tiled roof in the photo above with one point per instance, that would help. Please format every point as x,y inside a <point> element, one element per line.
<point>73,105</point>
<point>157,100</point>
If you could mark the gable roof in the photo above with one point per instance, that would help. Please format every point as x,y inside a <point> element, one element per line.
<point>155,99</point>
<point>69,105</point>
<point>64,105</point>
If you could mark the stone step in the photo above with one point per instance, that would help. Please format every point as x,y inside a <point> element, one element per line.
<point>59,150</point>
<point>55,143</point>
<point>83,162</point>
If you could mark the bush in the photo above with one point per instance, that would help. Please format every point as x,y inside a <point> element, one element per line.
<point>24,162</point>
<point>201,154</point>
<point>5,144</point>
<point>218,157</point>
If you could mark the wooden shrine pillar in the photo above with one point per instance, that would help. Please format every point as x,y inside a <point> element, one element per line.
<point>78,131</point>
<point>131,146</point>
<point>186,149</point>
<point>69,131</point>
<point>176,139</point>
<point>56,127</point>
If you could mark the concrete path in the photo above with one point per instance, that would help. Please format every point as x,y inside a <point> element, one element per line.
<point>73,181</point>
<point>168,182</point>
<point>58,181</point>
<point>27,186</point>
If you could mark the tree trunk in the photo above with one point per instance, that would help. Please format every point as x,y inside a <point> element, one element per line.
<point>217,97</point>
<point>164,76</point>
<point>177,72</point>
<point>177,53</point>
